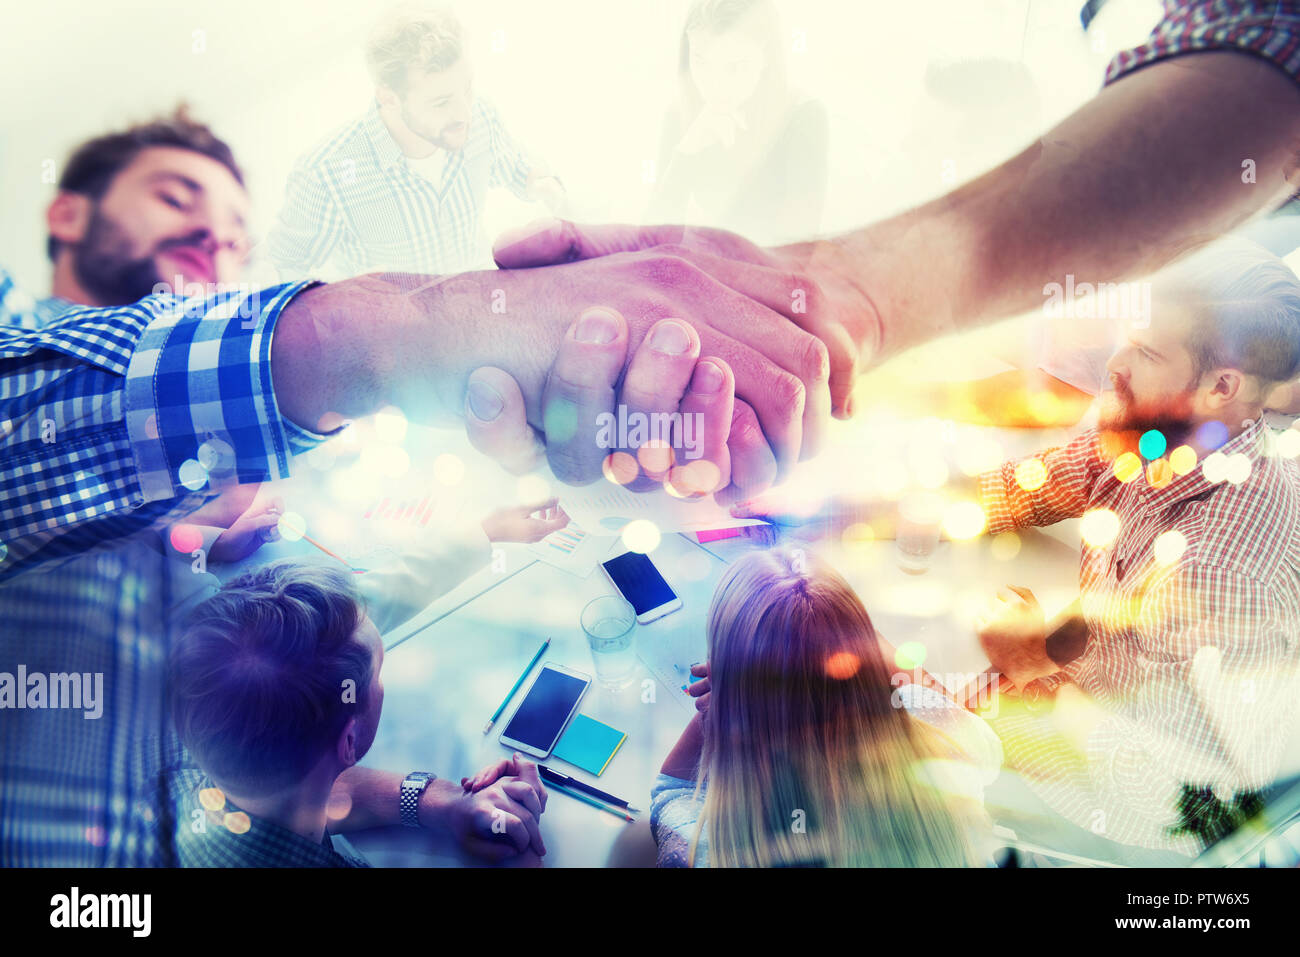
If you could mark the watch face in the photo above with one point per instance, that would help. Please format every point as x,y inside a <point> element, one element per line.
<point>418,779</point>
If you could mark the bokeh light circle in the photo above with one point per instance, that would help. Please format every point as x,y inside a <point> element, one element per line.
<point>192,475</point>
<point>642,535</point>
<point>842,665</point>
<point>1211,434</point>
<point>1170,546</point>
<point>390,424</point>
<point>655,457</point>
<point>1031,474</point>
<point>1183,460</point>
<point>1127,467</point>
<point>1288,444</point>
<point>620,468</point>
<point>910,655</point>
<point>291,526</point>
<point>186,538</point>
<point>1152,445</point>
<point>1215,467</point>
<point>1238,471</point>
<point>1099,527</point>
<point>1159,473</point>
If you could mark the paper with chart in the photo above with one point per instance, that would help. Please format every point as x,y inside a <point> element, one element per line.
<point>606,508</point>
<point>572,550</point>
<point>668,647</point>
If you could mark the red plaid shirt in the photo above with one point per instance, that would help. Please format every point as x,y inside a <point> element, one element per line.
<point>1193,660</point>
<point>1270,30</point>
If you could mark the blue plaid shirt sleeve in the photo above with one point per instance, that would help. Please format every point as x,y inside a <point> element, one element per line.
<point>112,420</point>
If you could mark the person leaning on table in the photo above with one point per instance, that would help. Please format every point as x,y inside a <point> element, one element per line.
<point>276,694</point>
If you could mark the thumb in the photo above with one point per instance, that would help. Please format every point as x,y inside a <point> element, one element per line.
<point>1024,594</point>
<point>496,421</point>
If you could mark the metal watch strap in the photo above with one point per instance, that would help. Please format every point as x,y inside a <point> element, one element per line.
<point>413,786</point>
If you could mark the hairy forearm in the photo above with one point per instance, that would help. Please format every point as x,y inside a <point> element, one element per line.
<point>364,797</point>
<point>349,348</point>
<point>1149,167</point>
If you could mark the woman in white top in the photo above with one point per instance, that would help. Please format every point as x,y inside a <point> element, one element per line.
<point>808,755</point>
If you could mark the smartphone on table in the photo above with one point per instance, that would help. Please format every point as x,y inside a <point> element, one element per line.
<point>637,580</point>
<point>552,699</point>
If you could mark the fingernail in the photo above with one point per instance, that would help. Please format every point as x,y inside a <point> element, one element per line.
<point>708,379</point>
<point>670,338</point>
<point>596,326</point>
<point>484,401</point>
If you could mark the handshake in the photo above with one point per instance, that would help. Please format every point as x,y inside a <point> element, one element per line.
<point>741,353</point>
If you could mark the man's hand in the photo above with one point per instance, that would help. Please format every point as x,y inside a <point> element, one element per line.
<point>807,284</point>
<point>1014,636</point>
<point>516,765</point>
<point>501,818</point>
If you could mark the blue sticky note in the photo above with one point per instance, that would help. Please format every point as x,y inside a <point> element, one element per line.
<point>589,744</point>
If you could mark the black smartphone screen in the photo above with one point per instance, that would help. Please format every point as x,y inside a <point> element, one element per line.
<point>542,715</point>
<point>640,582</point>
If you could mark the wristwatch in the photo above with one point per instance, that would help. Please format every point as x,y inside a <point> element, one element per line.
<point>1039,695</point>
<point>413,785</point>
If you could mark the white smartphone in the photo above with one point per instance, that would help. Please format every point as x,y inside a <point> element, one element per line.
<point>637,580</point>
<point>552,699</point>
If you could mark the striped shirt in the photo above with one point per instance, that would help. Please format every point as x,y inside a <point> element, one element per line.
<point>1193,613</point>
<point>356,203</point>
<point>1269,30</point>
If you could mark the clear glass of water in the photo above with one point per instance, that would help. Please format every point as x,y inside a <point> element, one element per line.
<point>919,520</point>
<point>609,623</point>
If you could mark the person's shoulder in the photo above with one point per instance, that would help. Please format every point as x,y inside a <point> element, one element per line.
<point>667,786</point>
<point>1251,529</point>
<point>347,140</point>
<point>673,801</point>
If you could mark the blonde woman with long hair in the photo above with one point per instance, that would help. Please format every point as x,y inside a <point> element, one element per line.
<point>807,754</point>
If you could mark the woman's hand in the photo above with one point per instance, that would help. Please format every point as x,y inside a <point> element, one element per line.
<point>525,523</point>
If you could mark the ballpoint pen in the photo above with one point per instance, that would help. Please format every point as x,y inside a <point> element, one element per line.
<point>578,796</point>
<point>551,776</point>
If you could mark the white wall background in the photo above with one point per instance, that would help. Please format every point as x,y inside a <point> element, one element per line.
<point>583,82</point>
